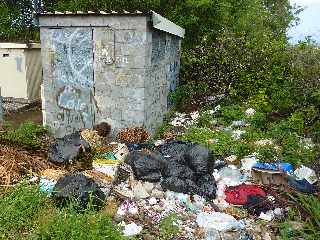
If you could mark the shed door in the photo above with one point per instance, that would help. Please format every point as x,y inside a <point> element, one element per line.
<point>73,79</point>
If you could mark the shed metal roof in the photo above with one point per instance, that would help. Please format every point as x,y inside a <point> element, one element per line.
<point>159,22</point>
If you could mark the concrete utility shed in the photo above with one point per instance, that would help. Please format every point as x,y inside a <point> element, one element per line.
<point>113,67</point>
<point>21,71</point>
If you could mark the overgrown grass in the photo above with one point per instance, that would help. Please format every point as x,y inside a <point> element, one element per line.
<point>309,218</point>
<point>28,135</point>
<point>286,134</point>
<point>25,213</point>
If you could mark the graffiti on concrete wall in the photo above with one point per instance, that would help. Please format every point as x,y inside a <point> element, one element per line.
<point>73,81</point>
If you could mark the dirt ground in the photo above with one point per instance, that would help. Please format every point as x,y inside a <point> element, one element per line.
<point>16,118</point>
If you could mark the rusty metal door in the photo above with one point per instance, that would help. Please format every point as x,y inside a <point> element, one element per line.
<point>73,78</point>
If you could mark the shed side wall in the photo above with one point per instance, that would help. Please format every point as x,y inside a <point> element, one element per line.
<point>163,76</point>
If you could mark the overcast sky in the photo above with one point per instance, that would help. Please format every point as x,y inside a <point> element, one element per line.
<point>309,21</point>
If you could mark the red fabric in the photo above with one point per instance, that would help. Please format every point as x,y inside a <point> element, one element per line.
<point>239,195</point>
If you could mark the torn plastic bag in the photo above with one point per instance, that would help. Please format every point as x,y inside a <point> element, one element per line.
<point>68,149</point>
<point>146,167</point>
<point>200,159</point>
<point>80,188</point>
<point>218,221</point>
<point>304,172</point>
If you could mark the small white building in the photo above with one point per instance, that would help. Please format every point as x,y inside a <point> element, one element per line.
<point>20,70</point>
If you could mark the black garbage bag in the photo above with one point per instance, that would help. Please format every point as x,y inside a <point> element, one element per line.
<point>207,186</point>
<point>67,149</point>
<point>177,184</point>
<point>174,169</point>
<point>79,188</point>
<point>146,166</point>
<point>200,159</point>
<point>175,150</point>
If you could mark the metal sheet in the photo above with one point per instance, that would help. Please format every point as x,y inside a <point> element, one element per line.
<point>34,73</point>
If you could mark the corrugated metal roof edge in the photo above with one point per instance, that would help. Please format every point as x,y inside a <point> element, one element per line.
<point>97,13</point>
<point>159,22</point>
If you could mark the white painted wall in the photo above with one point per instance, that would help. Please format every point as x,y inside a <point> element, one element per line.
<point>13,79</point>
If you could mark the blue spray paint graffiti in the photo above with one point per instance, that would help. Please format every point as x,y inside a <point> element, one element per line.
<point>73,78</point>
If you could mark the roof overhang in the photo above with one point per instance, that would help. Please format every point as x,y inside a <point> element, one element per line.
<point>158,22</point>
<point>165,25</point>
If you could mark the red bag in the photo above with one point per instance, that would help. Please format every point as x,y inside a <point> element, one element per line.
<point>239,195</point>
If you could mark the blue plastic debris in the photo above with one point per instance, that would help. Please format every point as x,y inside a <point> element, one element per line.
<point>284,167</point>
<point>47,186</point>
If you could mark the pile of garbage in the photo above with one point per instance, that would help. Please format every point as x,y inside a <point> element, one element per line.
<point>146,183</point>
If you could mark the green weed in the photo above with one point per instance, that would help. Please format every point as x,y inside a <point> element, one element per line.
<point>28,135</point>
<point>311,224</point>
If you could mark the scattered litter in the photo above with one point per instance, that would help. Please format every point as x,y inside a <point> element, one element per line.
<point>230,176</point>
<point>68,149</point>
<point>248,162</point>
<point>121,152</point>
<point>131,229</point>
<point>268,216</point>
<point>92,137</point>
<point>48,180</point>
<point>159,142</point>
<point>250,112</point>
<point>107,167</point>
<point>138,190</point>
<point>306,173</point>
<point>236,134</point>
<point>194,115</point>
<point>263,142</point>
<point>239,123</point>
<point>47,185</point>
<point>268,177</point>
<point>218,221</point>
<point>127,207</point>
<point>153,201</point>
<point>231,159</point>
